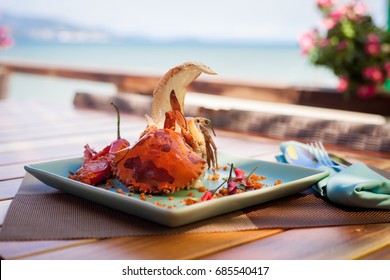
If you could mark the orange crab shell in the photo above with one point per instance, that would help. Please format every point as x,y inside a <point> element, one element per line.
<point>160,161</point>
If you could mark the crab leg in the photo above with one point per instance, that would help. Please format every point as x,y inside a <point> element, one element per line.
<point>211,148</point>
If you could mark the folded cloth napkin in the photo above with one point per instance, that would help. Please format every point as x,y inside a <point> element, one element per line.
<point>359,186</point>
<point>355,186</point>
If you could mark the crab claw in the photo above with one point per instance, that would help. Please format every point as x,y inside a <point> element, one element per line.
<point>176,79</point>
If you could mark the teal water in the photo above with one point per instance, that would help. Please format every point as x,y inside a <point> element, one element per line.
<point>269,65</point>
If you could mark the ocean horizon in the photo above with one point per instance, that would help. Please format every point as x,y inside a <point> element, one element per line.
<point>265,64</point>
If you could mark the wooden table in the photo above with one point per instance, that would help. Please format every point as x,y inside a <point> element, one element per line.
<point>32,132</point>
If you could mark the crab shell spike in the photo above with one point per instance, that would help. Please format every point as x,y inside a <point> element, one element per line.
<point>176,79</point>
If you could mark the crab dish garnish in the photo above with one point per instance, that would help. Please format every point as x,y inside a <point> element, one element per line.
<point>97,166</point>
<point>174,151</point>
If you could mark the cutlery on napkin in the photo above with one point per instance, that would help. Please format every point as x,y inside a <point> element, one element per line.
<point>357,185</point>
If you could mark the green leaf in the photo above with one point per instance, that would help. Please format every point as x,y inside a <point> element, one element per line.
<point>348,29</point>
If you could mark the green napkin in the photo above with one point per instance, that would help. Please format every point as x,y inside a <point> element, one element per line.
<point>359,186</point>
<point>355,186</point>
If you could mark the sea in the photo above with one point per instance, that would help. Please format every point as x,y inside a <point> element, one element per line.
<point>265,64</point>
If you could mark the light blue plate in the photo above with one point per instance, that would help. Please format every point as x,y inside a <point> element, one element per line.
<point>294,179</point>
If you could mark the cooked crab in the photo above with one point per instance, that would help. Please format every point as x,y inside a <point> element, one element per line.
<point>173,152</point>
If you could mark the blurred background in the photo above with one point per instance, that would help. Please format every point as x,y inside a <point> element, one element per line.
<point>246,40</point>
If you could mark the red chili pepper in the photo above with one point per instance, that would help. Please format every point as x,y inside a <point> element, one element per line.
<point>207,196</point>
<point>232,187</point>
<point>116,146</point>
<point>240,174</point>
<point>97,165</point>
<point>94,172</point>
<point>91,154</point>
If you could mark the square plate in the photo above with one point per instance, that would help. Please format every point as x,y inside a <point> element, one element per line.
<point>171,210</point>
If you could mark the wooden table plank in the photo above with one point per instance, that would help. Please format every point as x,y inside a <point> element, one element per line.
<point>64,117</point>
<point>17,249</point>
<point>54,132</point>
<point>51,152</point>
<point>4,205</point>
<point>9,124</point>
<point>45,129</point>
<point>380,254</point>
<point>13,171</point>
<point>9,188</point>
<point>79,140</point>
<point>183,246</point>
<point>341,242</point>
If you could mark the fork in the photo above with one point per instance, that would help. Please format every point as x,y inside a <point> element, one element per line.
<point>318,150</point>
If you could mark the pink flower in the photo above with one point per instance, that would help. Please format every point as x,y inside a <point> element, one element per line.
<point>6,42</point>
<point>325,3</point>
<point>323,42</point>
<point>360,8</point>
<point>329,23</point>
<point>373,74</point>
<point>343,84</point>
<point>342,45</point>
<point>386,66</point>
<point>5,39</point>
<point>373,39</point>
<point>372,46</point>
<point>372,49</point>
<point>366,91</point>
<point>3,31</point>
<point>336,15</point>
<point>307,42</point>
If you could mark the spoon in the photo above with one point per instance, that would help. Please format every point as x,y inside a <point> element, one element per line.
<point>298,155</point>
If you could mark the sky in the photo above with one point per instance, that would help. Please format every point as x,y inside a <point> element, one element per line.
<point>276,20</point>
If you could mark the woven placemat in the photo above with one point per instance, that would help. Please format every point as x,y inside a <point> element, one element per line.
<point>39,212</point>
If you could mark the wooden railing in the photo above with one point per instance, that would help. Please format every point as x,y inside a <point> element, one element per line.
<point>143,84</point>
